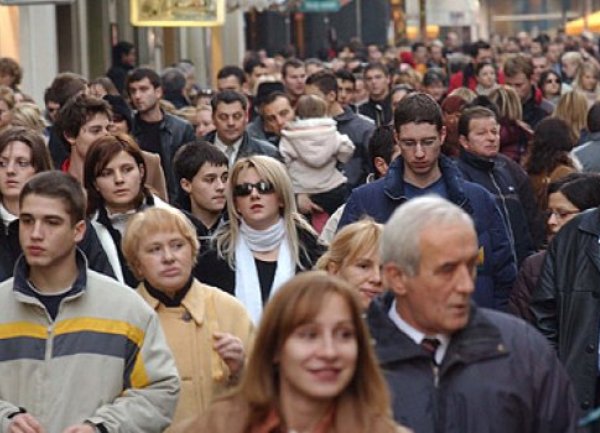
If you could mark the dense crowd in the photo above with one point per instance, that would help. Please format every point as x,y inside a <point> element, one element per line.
<point>390,239</point>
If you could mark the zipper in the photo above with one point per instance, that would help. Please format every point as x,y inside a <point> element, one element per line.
<point>506,215</point>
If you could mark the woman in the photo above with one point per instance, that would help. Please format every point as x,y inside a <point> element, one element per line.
<point>313,323</point>
<point>28,115</point>
<point>567,197</point>
<point>486,77</point>
<point>207,330</point>
<point>353,255</point>
<point>114,178</point>
<point>572,107</point>
<point>515,134</point>
<point>551,86</point>
<point>587,81</point>
<point>549,159</point>
<point>265,242</point>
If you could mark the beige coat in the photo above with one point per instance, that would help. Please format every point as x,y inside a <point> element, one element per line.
<point>155,176</point>
<point>189,329</point>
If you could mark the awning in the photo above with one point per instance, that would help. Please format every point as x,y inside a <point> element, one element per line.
<point>576,27</point>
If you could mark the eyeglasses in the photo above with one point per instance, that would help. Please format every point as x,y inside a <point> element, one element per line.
<point>245,189</point>
<point>560,214</point>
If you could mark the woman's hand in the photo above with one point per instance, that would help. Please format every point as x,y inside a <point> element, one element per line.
<point>231,350</point>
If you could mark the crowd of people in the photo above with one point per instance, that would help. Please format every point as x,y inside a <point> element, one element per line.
<point>391,239</point>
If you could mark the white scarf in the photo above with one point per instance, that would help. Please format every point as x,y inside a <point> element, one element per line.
<point>247,284</point>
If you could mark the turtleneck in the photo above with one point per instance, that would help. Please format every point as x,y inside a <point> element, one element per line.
<point>165,299</point>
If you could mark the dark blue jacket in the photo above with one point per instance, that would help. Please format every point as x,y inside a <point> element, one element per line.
<point>497,273</point>
<point>498,375</point>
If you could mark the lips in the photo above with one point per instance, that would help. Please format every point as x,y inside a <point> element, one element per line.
<point>370,293</point>
<point>327,374</point>
<point>35,250</point>
<point>170,272</point>
<point>121,191</point>
<point>256,207</point>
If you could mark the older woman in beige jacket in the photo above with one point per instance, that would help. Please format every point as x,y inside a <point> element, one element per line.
<point>208,330</point>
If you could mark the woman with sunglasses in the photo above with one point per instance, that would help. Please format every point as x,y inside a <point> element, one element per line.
<point>551,86</point>
<point>265,242</point>
<point>313,370</point>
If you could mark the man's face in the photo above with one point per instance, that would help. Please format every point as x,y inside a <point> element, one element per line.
<point>437,299</point>
<point>377,84</point>
<point>258,72</point>
<point>553,53</point>
<point>521,84</point>
<point>330,98</point>
<point>52,110</point>
<point>345,92</point>
<point>484,55</point>
<point>207,188</point>
<point>229,83</point>
<point>483,138</point>
<point>436,53</point>
<point>421,144</point>
<point>96,127</point>
<point>276,114</point>
<point>230,121</point>
<point>144,96</point>
<point>540,65</point>
<point>294,81</point>
<point>360,92</point>
<point>46,232</point>
<point>420,54</point>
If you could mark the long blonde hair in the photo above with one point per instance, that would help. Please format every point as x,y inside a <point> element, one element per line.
<point>572,107</point>
<point>508,102</point>
<point>270,170</point>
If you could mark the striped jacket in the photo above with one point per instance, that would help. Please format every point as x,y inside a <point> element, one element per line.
<point>103,359</point>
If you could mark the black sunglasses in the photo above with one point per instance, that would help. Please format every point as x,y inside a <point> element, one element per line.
<point>245,189</point>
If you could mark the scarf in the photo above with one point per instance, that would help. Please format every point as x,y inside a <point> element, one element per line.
<point>247,285</point>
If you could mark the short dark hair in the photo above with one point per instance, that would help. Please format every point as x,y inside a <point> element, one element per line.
<point>232,71</point>
<point>228,97</point>
<point>418,107</point>
<point>173,81</point>
<point>415,46</point>
<point>477,112</point>
<point>433,76</point>
<point>381,144</point>
<point>40,156</point>
<point>345,75</point>
<point>138,74</point>
<point>190,158</point>
<point>478,45</point>
<point>593,118</point>
<point>273,96</point>
<point>251,63</point>
<point>291,63</point>
<point>325,80</point>
<point>376,66</point>
<point>77,111</point>
<point>119,49</point>
<point>65,86</point>
<point>58,185</point>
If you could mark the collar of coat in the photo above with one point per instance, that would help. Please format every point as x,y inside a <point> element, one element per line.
<point>480,339</point>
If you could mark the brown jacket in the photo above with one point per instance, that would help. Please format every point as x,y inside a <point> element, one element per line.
<point>155,176</point>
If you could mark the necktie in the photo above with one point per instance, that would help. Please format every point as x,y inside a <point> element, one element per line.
<point>229,152</point>
<point>430,346</point>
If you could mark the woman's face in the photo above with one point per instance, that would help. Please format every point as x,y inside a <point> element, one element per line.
<point>259,210</point>
<point>560,212</point>
<point>205,123</point>
<point>165,260</point>
<point>487,76</point>
<point>15,169</point>
<point>551,85</point>
<point>318,359</point>
<point>364,273</point>
<point>119,183</point>
<point>589,81</point>
<point>5,116</point>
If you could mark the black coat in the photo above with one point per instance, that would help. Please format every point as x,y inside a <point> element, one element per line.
<point>566,301</point>
<point>215,271</point>
<point>498,375</point>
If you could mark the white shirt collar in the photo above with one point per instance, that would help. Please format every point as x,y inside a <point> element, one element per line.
<point>416,335</point>
<point>224,148</point>
<point>6,216</point>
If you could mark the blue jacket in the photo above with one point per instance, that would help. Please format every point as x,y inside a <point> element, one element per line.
<point>497,272</point>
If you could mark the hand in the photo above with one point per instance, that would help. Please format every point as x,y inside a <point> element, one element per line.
<point>25,423</point>
<point>80,428</point>
<point>306,205</point>
<point>231,350</point>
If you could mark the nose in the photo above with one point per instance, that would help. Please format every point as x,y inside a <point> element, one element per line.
<point>465,283</point>
<point>168,254</point>
<point>220,184</point>
<point>327,348</point>
<point>419,153</point>
<point>37,232</point>
<point>11,167</point>
<point>375,277</point>
<point>118,176</point>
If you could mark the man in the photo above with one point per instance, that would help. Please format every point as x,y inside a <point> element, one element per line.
<point>518,70</point>
<point>553,53</point>
<point>479,162</point>
<point>230,116</point>
<point>276,111</point>
<point>480,52</point>
<point>346,87</point>
<point>123,61</point>
<point>81,121</point>
<point>254,70</point>
<point>452,366</point>
<point>293,75</point>
<point>154,130</point>
<point>81,353</point>
<point>231,78</point>
<point>540,65</point>
<point>173,83</point>
<point>202,170</point>
<point>358,129</point>
<point>379,105</point>
<point>257,128</point>
<point>421,170</point>
<point>588,154</point>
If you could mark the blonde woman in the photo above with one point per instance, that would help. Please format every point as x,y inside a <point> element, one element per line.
<point>7,103</point>
<point>28,115</point>
<point>587,81</point>
<point>265,242</point>
<point>353,255</point>
<point>208,331</point>
<point>572,107</point>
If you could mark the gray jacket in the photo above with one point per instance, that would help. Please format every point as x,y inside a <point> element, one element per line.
<point>588,154</point>
<point>359,129</point>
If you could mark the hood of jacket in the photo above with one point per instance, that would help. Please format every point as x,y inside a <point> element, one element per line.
<point>314,140</point>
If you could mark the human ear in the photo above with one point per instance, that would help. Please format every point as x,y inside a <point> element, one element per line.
<point>395,278</point>
<point>186,185</point>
